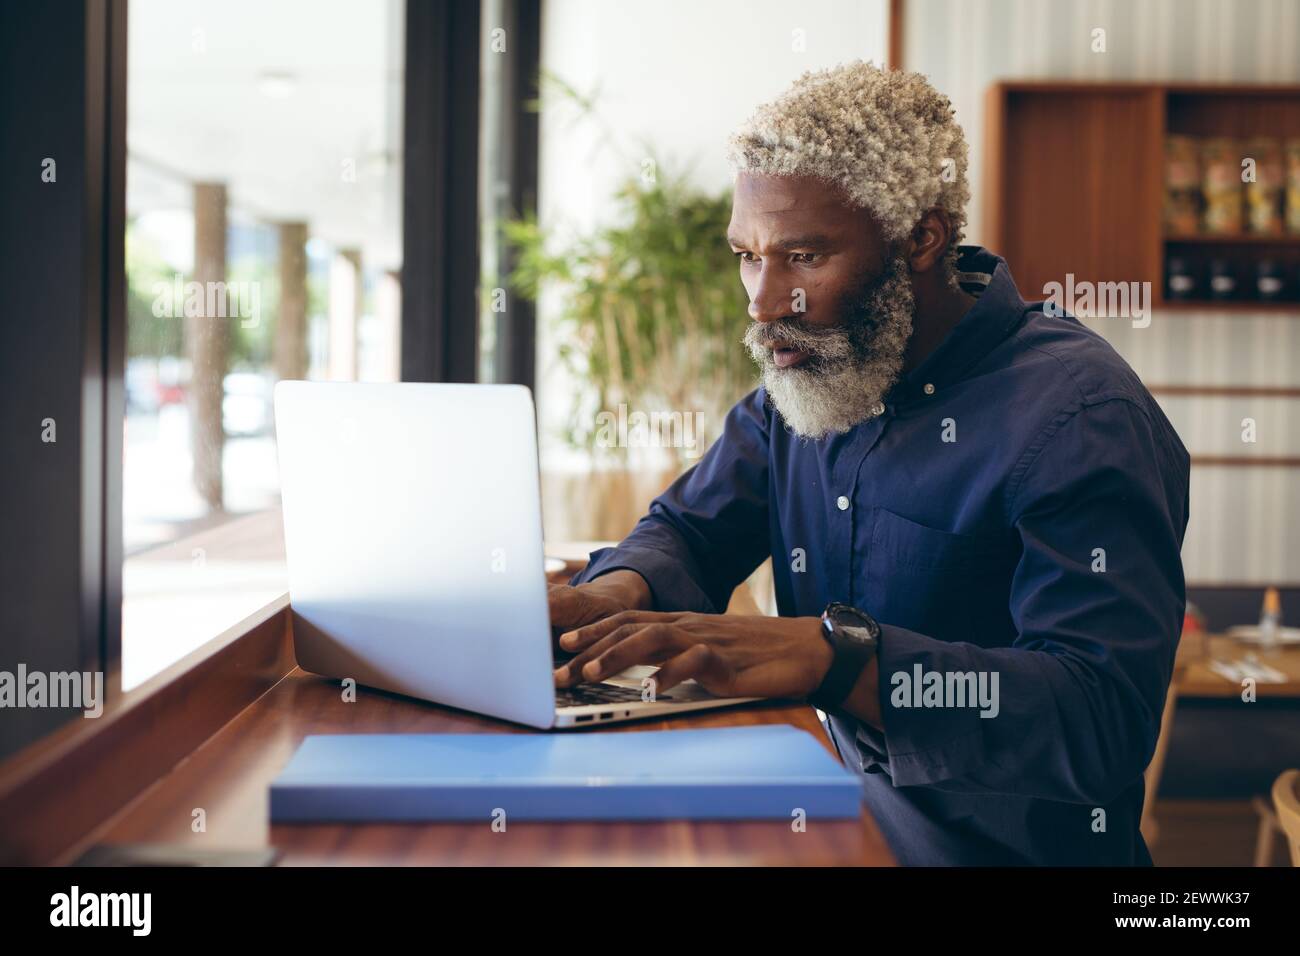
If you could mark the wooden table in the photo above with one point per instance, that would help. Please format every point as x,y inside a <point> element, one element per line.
<point>1194,678</point>
<point>228,778</point>
<point>214,729</point>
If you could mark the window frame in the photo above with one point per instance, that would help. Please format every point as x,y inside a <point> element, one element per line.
<point>65,62</point>
<point>78,558</point>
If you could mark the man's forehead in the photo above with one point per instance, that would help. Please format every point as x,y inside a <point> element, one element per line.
<point>767,207</point>
<point>765,194</point>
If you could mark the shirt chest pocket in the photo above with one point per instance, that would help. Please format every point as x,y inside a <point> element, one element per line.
<point>938,582</point>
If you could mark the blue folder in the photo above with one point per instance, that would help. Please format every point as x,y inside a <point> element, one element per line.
<point>762,772</point>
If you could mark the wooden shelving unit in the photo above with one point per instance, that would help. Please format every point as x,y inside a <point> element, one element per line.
<point>1075,183</point>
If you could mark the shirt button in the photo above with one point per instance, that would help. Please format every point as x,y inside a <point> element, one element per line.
<point>878,409</point>
<point>929,389</point>
<point>842,503</point>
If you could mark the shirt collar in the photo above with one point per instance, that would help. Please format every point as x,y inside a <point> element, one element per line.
<point>996,313</point>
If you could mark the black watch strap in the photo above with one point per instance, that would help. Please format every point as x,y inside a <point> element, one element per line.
<point>853,651</point>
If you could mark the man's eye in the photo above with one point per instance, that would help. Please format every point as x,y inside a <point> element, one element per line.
<point>805,257</point>
<point>746,256</point>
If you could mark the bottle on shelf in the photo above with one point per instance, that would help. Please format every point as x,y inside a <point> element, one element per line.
<point>1291,159</point>
<point>1270,619</point>
<point>1223,280</point>
<point>1265,194</point>
<point>1270,284</point>
<point>1180,279</point>
<point>1221,187</point>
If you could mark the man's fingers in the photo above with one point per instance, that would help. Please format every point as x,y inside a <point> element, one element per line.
<point>640,643</point>
<point>586,636</point>
<point>698,661</point>
<point>573,670</point>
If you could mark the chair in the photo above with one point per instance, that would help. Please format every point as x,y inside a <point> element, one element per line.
<point>1151,778</point>
<point>1286,803</point>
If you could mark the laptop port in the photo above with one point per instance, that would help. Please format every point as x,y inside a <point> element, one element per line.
<point>582,718</point>
<point>607,715</point>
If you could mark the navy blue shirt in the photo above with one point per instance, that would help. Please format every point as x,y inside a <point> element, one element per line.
<point>1017,509</point>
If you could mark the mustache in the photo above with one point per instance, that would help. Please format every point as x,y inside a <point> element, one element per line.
<point>821,342</point>
<point>850,339</point>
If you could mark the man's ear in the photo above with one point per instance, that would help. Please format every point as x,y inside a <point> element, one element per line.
<point>929,241</point>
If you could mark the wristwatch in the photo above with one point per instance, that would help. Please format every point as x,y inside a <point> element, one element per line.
<point>854,636</point>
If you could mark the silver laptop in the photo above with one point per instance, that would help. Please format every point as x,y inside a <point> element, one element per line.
<point>413,526</point>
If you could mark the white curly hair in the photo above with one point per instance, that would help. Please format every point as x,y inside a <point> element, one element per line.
<point>886,137</point>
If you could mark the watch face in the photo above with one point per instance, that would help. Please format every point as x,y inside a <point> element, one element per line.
<point>854,625</point>
<point>855,632</point>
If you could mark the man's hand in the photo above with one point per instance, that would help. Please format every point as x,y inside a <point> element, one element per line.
<point>730,655</point>
<point>596,600</point>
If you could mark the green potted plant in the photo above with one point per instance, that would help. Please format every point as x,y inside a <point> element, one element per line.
<point>651,307</point>
<point>652,315</point>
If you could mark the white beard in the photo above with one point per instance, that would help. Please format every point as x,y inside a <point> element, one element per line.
<point>850,367</point>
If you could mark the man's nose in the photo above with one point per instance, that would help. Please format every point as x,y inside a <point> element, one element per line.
<point>769,304</point>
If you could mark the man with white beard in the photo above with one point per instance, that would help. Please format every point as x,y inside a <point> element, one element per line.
<point>957,490</point>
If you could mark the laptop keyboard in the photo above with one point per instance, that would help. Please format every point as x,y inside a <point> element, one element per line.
<point>599,694</point>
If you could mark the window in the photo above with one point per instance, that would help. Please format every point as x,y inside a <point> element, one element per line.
<point>264,242</point>
<point>508,125</point>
